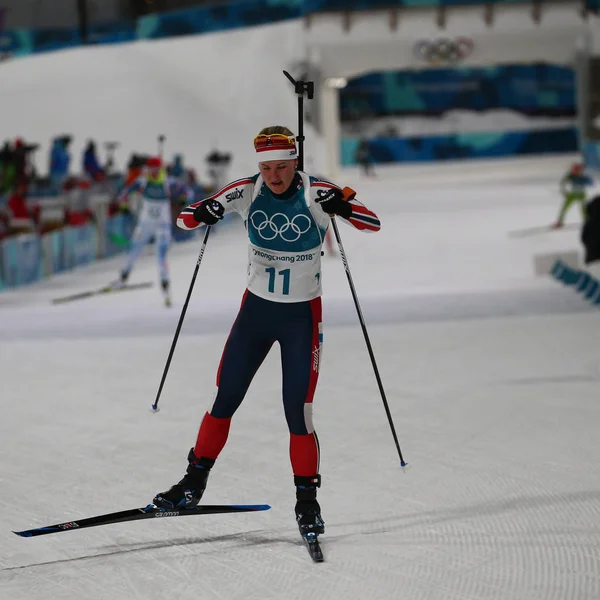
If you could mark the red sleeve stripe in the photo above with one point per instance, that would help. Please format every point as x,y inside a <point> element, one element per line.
<point>359,208</point>
<point>187,221</point>
<point>324,184</point>
<point>362,213</point>
<point>233,184</point>
<point>361,223</point>
<point>362,226</point>
<point>190,209</point>
<point>373,220</point>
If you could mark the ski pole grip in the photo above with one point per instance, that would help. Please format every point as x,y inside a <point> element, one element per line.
<point>348,193</point>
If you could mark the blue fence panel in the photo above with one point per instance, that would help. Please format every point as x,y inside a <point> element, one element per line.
<point>463,146</point>
<point>591,153</point>
<point>80,245</point>
<point>10,262</point>
<point>57,249</point>
<point>18,42</point>
<point>112,32</point>
<point>21,260</point>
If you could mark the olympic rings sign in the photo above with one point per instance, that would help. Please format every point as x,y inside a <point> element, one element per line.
<point>279,224</point>
<point>443,51</point>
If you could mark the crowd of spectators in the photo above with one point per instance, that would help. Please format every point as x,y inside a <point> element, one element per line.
<point>34,203</point>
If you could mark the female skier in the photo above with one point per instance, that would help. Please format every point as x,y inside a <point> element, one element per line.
<point>287,213</point>
<point>157,192</point>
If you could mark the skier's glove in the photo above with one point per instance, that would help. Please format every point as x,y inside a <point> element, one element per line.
<point>209,212</point>
<point>335,201</point>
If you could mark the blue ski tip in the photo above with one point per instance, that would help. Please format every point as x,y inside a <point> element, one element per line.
<point>253,506</point>
<point>29,532</point>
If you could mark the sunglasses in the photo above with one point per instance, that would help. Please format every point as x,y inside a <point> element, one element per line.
<point>264,140</point>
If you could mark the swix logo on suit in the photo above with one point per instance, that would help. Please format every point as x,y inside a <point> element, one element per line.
<point>317,349</point>
<point>285,235</point>
<point>237,193</point>
<point>316,358</point>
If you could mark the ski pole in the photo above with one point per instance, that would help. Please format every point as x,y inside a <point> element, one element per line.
<point>363,326</point>
<point>182,316</point>
<point>300,88</point>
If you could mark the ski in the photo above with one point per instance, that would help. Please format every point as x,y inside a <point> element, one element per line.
<point>518,233</point>
<point>104,290</point>
<point>135,514</point>
<point>314,548</point>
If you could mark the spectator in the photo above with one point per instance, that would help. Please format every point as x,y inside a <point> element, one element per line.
<point>110,157</point>
<point>218,165</point>
<point>4,213</point>
<point>22,169</point>
<point>91,166</point>
<point>7,168</point>
<point>78,210</point>
<point>20,217</point>
<point>5,153</point>
<point>364,158</point>
<point>177,170</point>
<point>135,168</point>
<point>60,160</point>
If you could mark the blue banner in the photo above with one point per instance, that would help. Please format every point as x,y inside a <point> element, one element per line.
<point>542,89</point>
<point>203,19</point>
<point>206,19</point>
<point>462,146</point>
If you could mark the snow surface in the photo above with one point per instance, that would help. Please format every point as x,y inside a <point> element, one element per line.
<point>492,377</point>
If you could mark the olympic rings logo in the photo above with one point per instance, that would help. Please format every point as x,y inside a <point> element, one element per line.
<point>268,228</point>
<point>443,50</point>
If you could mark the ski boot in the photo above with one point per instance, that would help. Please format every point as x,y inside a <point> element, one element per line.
<point>189,490</point>
<point>165,287</point>
<point>121,282</point>
<point>308,511</point>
